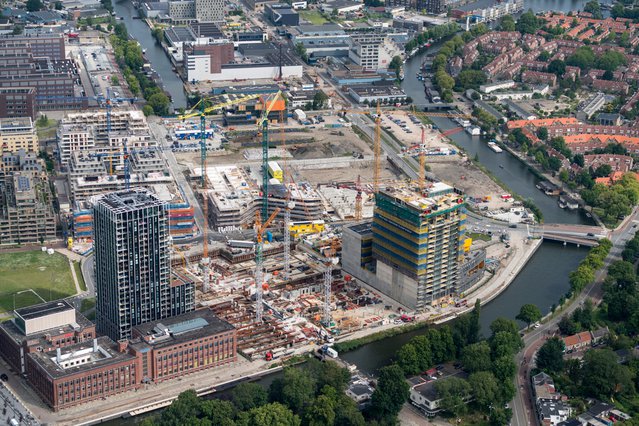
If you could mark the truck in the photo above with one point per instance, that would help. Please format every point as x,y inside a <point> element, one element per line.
<point>275,171</point>
<point>299,115</point>
<point>328,351</point>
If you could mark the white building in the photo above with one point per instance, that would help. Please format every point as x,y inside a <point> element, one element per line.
<point>299,5</point>
<point>373,51</point>
<point>374,94</point>
<point>498,85</point>
<point>74,137</point>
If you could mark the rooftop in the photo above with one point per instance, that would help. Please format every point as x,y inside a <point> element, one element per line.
<point>16,124</point>
<point>130,200</point>
<point>181,328</point>
<point>80,357</point>
<point>437,196</point>
<point>43,309</point>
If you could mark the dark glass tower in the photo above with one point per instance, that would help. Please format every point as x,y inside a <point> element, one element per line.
<point>132,263</point>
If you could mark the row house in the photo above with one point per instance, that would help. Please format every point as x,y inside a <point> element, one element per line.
<point>540,122</point>
<point>591,129</point>
<point>575,31</point>
<point>510,72</point>
<point>586,35</point>
<point>470,52</point>
<point>618,163</point>
<point>455,66</point>
<point>536,66</point>
<point>616,87</point>
<point>572,73</point>
<point>630,103</point>
<point>533,41</point>
<point>536,77</point>
<point>598,38</point>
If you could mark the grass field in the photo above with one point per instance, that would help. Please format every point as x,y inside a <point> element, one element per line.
<point>48,275</point>
<point>478,236</point>
<point>78,274</point>
<point>313,16</point>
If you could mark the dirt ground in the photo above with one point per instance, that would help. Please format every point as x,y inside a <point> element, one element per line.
<point>462,174</point>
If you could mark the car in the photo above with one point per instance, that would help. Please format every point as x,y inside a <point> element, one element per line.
<point>590,234</point>
<point>4,377</point>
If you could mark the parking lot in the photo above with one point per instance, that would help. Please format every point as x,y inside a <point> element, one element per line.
<point>97,62</point>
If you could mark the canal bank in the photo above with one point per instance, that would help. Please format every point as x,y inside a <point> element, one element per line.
<point>139,30</point>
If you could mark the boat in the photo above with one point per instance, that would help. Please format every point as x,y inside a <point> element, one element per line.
<point>494,147</point>
<point>143,51</point>
<point>501,166</point>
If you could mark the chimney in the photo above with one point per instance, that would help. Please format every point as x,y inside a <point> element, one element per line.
<point>123,345</point>
<point>58,355</point>
<point>95,345</point>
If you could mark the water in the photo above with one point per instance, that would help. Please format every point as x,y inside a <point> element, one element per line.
<point>556,5</point>
<point>542,282</point>
<point>160,62</point>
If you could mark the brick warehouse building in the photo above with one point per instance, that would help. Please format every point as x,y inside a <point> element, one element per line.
<point>67,365</point>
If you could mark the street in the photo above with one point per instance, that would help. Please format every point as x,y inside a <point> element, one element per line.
<point>522,405</point>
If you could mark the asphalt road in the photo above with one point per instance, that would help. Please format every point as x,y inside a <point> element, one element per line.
<point>522,405</point>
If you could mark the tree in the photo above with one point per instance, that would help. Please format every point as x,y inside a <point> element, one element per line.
<point>542,133</point>
<point>579,160</point>
<point>507,23</point>
<point>147,110</point>
<point>247,396</point>
<point>218,412</point>
<point>505,344</point>
<point>274,414</point>
<point>544,56</point>
<point>160,103</point>
<point>583,58</point>
<point>504,324</point>
<point>424,354</point>
<point>321,412</point>
<point>408,360</point>
<point>602,171</point>
<point>528,23</point>
<point>567,326</point>
<point>504,368</point>
<point>557,67</point>
<point>594,8</point>
<point>470,79</point>
<point>611,60</point>
<point>391,393</point>
<point>115,81</point>
<point>347,414</point>
<point>320,100</point>
<point>529,313</point>
<point>603,377</point>
<point>476,357</point>
<point>485,388</point>
<point>500,416</point>
<point>454,393</point>
<point>550,356</point>
<point>34,5</point>
<point>396,64</point>
<point>297,389</point>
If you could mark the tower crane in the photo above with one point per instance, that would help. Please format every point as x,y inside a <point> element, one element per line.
<point>331,260</point>
<point>259,262</point>
<point>358,200</point>
<point>262,127</point>
<point>193,112</point>
<point>289,205</point>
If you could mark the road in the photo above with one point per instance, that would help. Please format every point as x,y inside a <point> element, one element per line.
<point>160,134</point>
<point>522,406</point>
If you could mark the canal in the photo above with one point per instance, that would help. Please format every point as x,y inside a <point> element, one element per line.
<point>160,62</point>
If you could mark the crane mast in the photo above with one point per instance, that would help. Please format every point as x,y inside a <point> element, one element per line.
<point>358,200</point>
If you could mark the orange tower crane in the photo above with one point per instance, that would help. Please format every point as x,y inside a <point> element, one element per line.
<point>259,262</point>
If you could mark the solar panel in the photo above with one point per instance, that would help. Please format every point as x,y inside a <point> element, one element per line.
<point>189,325</point>
<point>24,183</point>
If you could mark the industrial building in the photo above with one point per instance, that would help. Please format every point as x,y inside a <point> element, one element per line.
<point>17,134</point>
<point>380,92</point>
<point>434,7</point>
<point>250,61</point>
<point>413,249</point>
<point>184,344</point>
<point>132,264</point>
<point>282,15</point>
<point>26,211</point>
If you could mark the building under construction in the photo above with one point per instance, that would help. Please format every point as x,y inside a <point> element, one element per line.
<point>413,248</point>
<point>26,211</point>
<point>234,198</point>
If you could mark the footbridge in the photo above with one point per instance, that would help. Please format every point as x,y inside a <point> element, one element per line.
<point>574,234</point>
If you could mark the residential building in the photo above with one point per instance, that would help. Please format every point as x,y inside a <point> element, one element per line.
<point>20,161</point>
<point>17,134</point>
<point>577,341</point>
<point>209,10</point>
<point>416,243</point>
<point>26,211</point>
<point>18,102</point>
<point>182,11</point>
<point>132,264</point>
<point>489,10</point>
<point>618,163</point>
<point>434,7</point>
<point>372,51</point>
<point>498,85</point>
<point>342,6</point>
<point>282,15</point>
<point>615,87</point>
<point>537,77</point>
<point>183,344</point>
<point>423,392</point>
<point>549,404</point>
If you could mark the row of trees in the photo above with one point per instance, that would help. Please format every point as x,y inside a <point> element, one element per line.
<point>128,55</point>
<point>436,33</point>
<point>312,395</point>
<point>586,59</point>
<point>585,272</point>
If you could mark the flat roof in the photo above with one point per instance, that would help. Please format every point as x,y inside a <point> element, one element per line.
<point>43,309</point>
<point>182,328</point>
<point>130,200</point>
<point>15,123</point>
<point>362,228</point>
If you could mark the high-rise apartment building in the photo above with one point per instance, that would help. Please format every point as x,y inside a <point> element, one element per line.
<point>209,10</point>
<point>132,264</point>
<point>413,249</point>
<point>18,134</point>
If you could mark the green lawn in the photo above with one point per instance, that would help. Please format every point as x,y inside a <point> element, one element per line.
<point>313,16</point>
<point>478,236</point>
<point>48,275</point>
<point>78,273</point>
